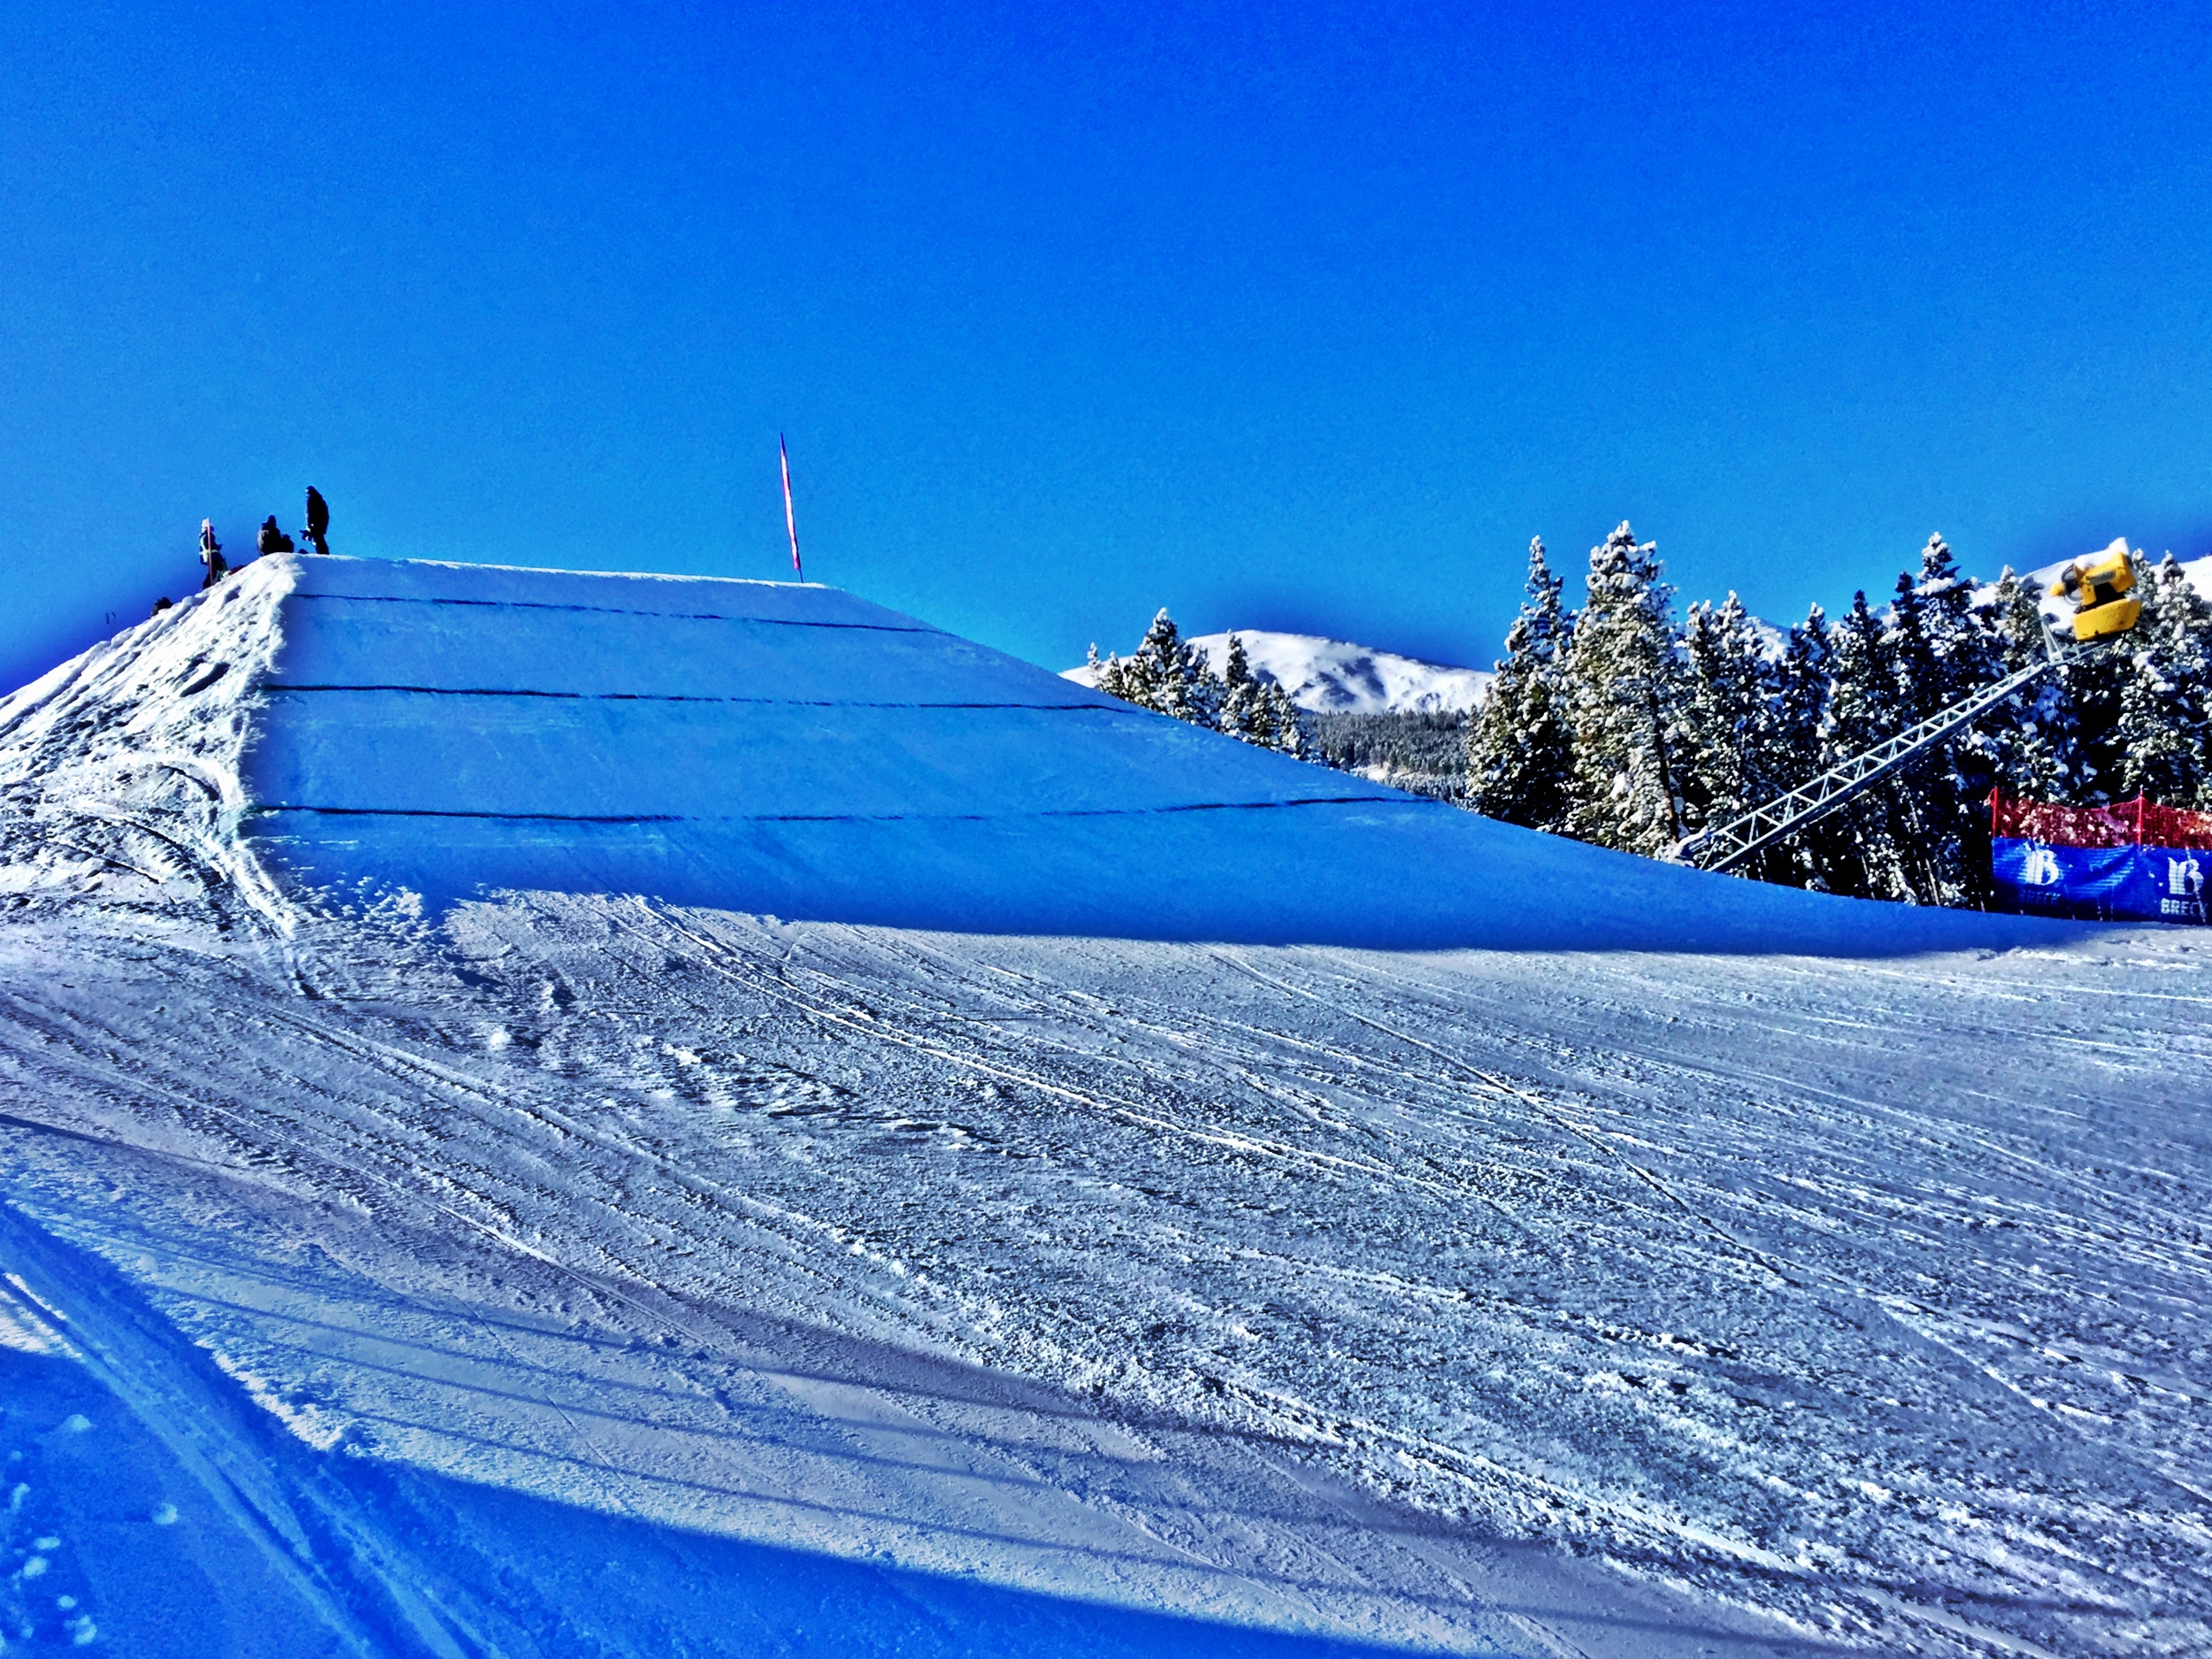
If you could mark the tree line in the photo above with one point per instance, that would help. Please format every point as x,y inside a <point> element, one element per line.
<point>1617,724</point>
<point>1169,675</point>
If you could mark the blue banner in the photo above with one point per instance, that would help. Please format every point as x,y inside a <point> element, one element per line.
<point>2102,884</point>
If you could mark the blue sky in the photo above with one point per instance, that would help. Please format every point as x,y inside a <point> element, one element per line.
<point>1284,318</point>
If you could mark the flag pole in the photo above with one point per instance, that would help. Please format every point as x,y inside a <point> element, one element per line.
<point>790,519</point>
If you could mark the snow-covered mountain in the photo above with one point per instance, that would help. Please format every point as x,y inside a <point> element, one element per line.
<point>445,1212</point>
<point>1328,676</point>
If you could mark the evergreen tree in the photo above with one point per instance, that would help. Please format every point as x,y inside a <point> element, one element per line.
<point>2098,687</point>
<point>1169,676</point>
<point>1864,708</point>
<point>1285,731</point>
<point>1801,689</point>
<point>1243,707</point>
<point>1801,712</point>
<point>1732,715</point>
<point>1917,811</point>
<point>1911,654</point>
<point>1256,711</point>
<point>1623,691</point>
<point>1944,649</point>
<point>2036,739</point>
<point>2164,733</point>
<point>1164,675</point>
<point>1518,751</point>
<point>1964,651</point>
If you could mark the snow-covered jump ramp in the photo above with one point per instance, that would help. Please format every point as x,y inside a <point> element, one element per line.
<point>456,729</point>
<point>868,1149</point>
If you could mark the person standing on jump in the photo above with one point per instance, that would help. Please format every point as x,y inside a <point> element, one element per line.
<point>212,554</point>
<point>317,520</point>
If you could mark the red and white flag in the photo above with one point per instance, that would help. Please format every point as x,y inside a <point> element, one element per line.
<point>790,519</point>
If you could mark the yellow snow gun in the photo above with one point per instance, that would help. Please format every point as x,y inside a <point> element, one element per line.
<point>2098,587</point>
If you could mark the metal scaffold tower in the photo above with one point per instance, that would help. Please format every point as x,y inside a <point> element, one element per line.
<point>1723,846</point>
<point>2098,589</point>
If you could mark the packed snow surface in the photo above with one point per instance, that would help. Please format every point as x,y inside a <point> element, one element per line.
<point>392,1268</point>
<point>1332,677</point>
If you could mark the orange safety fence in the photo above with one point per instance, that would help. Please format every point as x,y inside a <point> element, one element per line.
<point>2137,822</point>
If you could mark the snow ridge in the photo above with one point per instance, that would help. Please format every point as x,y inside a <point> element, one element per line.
<point>130,757</point>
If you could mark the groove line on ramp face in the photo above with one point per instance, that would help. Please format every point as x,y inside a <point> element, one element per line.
<point>832,818</point>
<point>664,696</point>
<point>613,611</point>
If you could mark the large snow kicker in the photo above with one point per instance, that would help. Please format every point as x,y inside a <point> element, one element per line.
<point>790,750</point>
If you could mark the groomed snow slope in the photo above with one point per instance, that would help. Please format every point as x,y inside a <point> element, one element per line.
<point>600,1278</point>
<point>790,750</point>
<point>586,1274</point>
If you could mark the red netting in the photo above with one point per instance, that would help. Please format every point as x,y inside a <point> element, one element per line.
<point>2172,826</point>
<point>2124,823</point>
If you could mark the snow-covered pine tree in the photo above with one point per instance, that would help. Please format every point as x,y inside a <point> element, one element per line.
<point>1946,647</point>
<point>1243,706</point>
<point>1911,658</point>
<point>1254,710</point>
<point>1915,814</point>
<point>2098,687</point>
<point>1730,714</point>
<point>1864,707</point>
<point>1164,675</point>
<point>2035,739</point>
<point>1169,676</point>
<point>1800,707</point>
<point>1623,687</point>
<point>1284,730</point>
<point>2164,734</point>
<point>1518,753</point>
<point>1964,651</point>
<point>1801,690</point>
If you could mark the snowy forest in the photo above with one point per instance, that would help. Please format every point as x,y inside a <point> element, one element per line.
<point>1617,724</point>
<point>1622,725</point>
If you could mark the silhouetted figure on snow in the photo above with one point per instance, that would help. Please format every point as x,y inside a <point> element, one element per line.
<point>271,539</point>
<point>212,554</point>
<point>161,604</point>
<point>317,520</point>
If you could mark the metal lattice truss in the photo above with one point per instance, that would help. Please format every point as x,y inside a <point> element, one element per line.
<point>1727,845</point>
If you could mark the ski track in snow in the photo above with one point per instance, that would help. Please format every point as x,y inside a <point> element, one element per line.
<point>1862,1301</point>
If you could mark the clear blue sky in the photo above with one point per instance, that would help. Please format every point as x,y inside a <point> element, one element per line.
<point>1283,318</point>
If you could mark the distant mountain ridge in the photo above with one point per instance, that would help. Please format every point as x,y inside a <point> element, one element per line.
<point>1325,676</point>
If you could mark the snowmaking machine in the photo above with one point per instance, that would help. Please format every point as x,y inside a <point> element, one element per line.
<point>2098,587</point>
